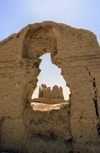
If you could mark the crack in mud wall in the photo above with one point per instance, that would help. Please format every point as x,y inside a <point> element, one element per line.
<point>95,97</point>
<point>95,101</point>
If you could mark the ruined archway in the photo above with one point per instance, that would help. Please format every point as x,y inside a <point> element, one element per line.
<point>77,53</point>
<point>36,43</point>
<point>47,39</point>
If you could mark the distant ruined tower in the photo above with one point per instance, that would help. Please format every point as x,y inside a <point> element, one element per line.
<point>46,92</point>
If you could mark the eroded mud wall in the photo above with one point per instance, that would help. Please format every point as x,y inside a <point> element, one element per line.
<point>77,53</point>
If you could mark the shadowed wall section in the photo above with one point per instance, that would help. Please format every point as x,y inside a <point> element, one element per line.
<point>75,126</point>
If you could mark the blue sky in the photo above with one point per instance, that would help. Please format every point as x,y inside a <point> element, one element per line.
<point>16,14</point>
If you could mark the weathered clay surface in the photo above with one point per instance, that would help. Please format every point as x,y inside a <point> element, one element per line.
<point>74,128</point>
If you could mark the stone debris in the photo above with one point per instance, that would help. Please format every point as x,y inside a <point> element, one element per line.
<point>48,107</point>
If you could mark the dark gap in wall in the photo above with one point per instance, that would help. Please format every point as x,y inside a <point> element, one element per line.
<point>70,140</point>
<point>95,101</point>
<point>98,129</point>
<point>51,136</point>
<point>95,97</point>
<point>18,35</point>
<point>96,105</point>
<point>68,144</point>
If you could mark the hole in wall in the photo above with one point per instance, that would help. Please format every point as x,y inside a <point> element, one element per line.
<point>43,42</point>
<point>50,76</point>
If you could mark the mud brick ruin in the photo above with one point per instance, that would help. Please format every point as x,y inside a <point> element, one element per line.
<point>72,127</point>
<point>49,96</point>
<point>46,92</point>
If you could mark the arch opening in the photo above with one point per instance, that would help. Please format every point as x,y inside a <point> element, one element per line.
<point>50,75</point>
<point>51,90</point>
<point>37,43</point>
